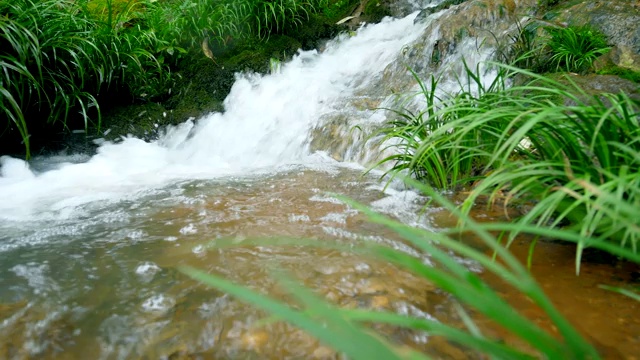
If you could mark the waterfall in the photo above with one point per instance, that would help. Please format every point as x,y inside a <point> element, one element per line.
<point>266,123</point>
<point>90,244</point>
<point>312,103</point>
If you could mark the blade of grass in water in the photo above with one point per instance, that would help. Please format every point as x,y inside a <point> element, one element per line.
<point>327,323</point>
<point>466,286</point>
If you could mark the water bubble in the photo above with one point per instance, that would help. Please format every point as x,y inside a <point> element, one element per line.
<point>362,267</point>
<point>189,230</point>
<point>147,270</point>
<point>299,218</point>
<point>158,304</point>
<point>136,235</point>
<point>198,250</point>
<point>36,276</point>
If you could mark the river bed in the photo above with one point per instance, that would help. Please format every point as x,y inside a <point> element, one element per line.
<point>108,284</point>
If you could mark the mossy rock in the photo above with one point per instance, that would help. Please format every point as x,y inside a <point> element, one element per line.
<point>256,56</point>
<point>375,10</point>
<point>204,83</point>
<point>315,30</point>
<point>593,85</point>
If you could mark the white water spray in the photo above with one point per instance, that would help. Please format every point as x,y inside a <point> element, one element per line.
<point>266,124</point>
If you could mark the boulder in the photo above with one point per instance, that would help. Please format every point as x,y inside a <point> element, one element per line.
<point>617,19</point>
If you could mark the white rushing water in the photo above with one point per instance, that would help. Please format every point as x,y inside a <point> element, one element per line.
<point>93,242</point>
<point>266,123</point>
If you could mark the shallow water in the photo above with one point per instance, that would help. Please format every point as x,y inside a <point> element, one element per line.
<point>90,246</point>
<point>606,319</point>
<point>109,285</point>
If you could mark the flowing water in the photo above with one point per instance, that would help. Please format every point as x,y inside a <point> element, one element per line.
<point>90,246</point>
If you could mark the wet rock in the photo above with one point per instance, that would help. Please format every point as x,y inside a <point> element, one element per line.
<point>448,350</point>
<point>473,24</point>
<point>624,57</point>
<point>424,13</point>
<point>255,339</point>
<point>617,19</point>
<point>462,31</point>
<point>593,84</point>
<point>30,333</point>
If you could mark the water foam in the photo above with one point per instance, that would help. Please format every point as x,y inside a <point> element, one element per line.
<point>266,123</point>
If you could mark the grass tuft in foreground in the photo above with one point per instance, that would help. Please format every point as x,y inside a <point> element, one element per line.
<point>345,330</point>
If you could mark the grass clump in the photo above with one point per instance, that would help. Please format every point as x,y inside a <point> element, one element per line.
<point>574,49</point>
<point>542,46</point>
<point>575,166</point>
<point>416,141</point>
<point>61,58</point>
<point>57,60</point>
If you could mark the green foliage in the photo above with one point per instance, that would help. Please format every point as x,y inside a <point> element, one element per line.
<point>524,49</point>
<point>574,49</point>
<point>324,321</point>
<point>47,61</point>
<point>575,165</point>
<point>423,144</point>
<point>185,25</point>
<point>58,57</point>
<point>548,3</point>
<point>568,49</point>
<point>335,9</point>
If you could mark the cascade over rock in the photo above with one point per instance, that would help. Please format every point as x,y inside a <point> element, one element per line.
<point>466,31</point>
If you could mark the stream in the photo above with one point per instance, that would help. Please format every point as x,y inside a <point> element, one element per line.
<point>90,246</point>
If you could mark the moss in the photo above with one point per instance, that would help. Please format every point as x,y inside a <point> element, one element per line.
<point>461,33</point>
<point>374,11</point>
<point>548,3</point>
<point>621,72</point>
<point>338,9</point>
<point>203,84</point>
<point>315,30</point>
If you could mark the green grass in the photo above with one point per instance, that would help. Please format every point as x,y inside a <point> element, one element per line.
<point>421,150</point>
<point>539,46</point>
<point>621,72</point>
<point>59,58</point>
<point>574,49</point>
<point>575,166</point>
<point>56,61</point>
